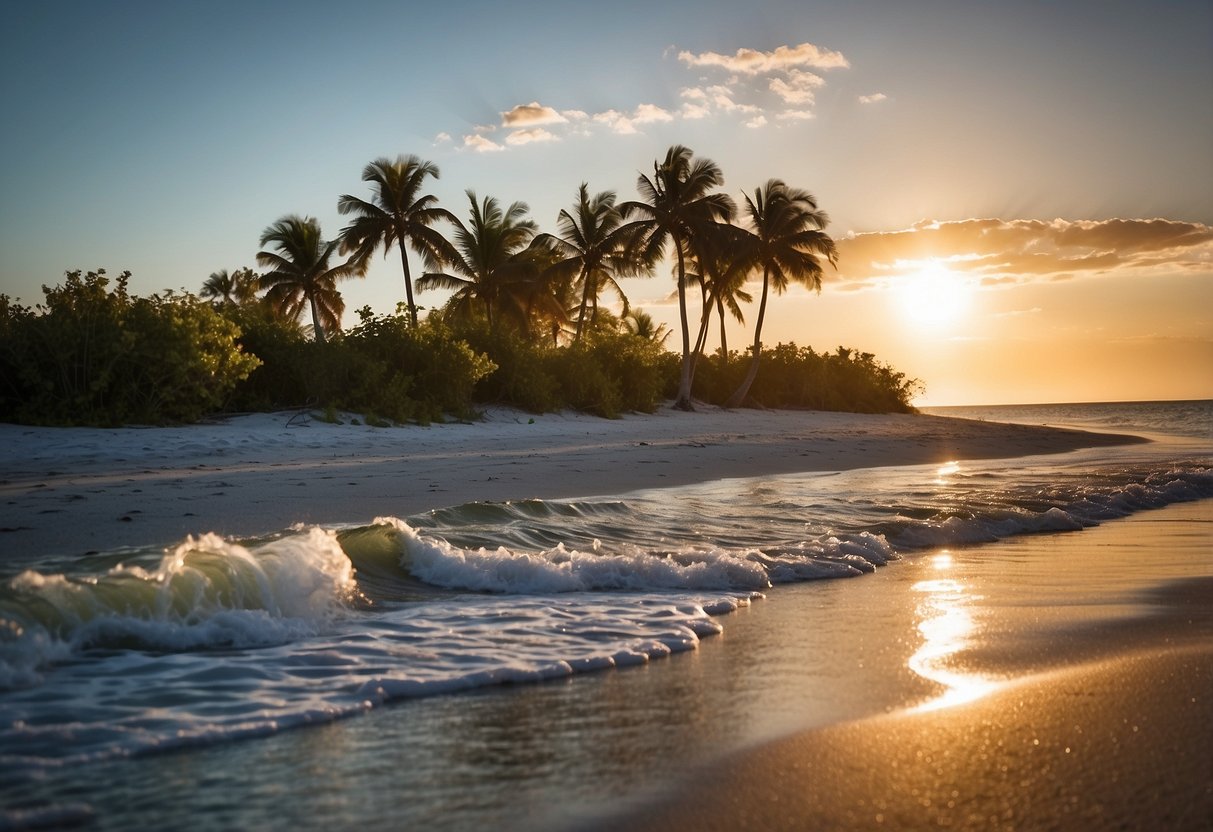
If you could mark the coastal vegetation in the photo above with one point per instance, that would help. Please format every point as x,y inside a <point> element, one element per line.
<point>524,322</point>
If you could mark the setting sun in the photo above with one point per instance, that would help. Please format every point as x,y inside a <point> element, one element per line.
<point>933,297</point>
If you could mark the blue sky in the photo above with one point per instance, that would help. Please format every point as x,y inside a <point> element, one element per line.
<point>162,137</point>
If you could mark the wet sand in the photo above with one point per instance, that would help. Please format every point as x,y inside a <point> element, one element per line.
<point>1091,704</point>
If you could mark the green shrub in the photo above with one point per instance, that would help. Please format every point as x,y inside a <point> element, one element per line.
<point>89,355</point>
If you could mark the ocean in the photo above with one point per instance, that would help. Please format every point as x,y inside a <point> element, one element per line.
<point>519,664</point>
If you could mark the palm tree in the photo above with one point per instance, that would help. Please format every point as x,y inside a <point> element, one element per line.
<point>721,271</point>
<point>593,249</point>
<point>233,289</point>
<point>785,241</point>
<point>488,260</point>
<point>641,324</point>
<point>397,213</point>
<point>677,205</point>
<point>300,274</point>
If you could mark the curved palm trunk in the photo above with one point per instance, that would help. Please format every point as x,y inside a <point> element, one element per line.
<point>742,391</point>
<point>724,341</point>
<point>316,327</point>
<point>683,402</point>
<point>408,278</point>
<point>701,340</point>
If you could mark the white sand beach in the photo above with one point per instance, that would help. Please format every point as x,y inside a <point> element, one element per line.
<point>72,490</point>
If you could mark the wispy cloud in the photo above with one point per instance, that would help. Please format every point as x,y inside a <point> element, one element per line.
<point>782,58</point>
<point>532,134</point>
<point>874,98</point>
<point>757,87</point>
<point>999,252</point>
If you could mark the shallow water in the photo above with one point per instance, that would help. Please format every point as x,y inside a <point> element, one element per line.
<point>134,667</point>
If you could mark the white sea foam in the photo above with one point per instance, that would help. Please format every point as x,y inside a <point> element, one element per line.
<point>559,569</point>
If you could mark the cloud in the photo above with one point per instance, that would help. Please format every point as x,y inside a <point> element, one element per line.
<point>529,115</point>
<point>782,58</point>
<point>529,135</point>
<point>795,115</point>
<point>762,86</point>
<point>616,121</point>
<point>874,98</point>
<point>1005,252</point>
<point>647,113</point>
<point>480,144</point>
<point>442,138</point>
<point>798,87</point>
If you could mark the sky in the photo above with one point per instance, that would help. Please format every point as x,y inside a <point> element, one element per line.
<point>1021,193</point>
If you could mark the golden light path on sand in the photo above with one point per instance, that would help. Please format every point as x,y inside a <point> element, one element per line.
<point>946,627</point>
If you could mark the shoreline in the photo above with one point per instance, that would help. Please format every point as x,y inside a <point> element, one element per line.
<point>67,491</point>
<point>1098,717</point>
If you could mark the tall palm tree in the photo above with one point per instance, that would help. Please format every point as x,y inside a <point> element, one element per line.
<point>397,213</point>
<point>786,241</point>
<point>677,204</point>
<point>233,289</point>
<point>488,261</point>
<point>301,275</point>
<point>592,248</point>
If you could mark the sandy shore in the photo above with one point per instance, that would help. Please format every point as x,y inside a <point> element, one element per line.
<point>73,490</point>
<point>1059,751</point>
<point>1100,715</point>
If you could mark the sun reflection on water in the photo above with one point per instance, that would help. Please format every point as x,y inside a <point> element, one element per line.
<point>946,470</point>
<point>946,626</point>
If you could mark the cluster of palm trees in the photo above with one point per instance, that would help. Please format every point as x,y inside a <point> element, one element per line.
<point>500,270</point>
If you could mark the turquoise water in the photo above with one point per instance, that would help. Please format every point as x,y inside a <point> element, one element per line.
<point>213,671</point>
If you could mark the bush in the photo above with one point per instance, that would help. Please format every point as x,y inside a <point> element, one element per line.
<point>90,355</point>
<point>406,373</point>
<point>797,377</point>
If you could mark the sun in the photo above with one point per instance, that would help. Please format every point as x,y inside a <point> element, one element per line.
<point>932,298</point>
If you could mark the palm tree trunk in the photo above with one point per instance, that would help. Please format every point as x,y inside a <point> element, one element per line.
<point>702,339</point>
<point>408,279</point>
<point>585,300</point>
<point>724,341</point>
<point>317,329</point>
<point>683,402</point>
<point>744,390</point>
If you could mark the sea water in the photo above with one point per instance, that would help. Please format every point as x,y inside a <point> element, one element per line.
<point>190,685</point>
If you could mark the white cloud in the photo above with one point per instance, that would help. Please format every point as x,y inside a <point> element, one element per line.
<point>527,115</point>
<point>617,121</point>
<point>874,98</point>
<point>647,113</point>
<point>529,135</point>
<point>480,144</point>
<point>756,122</point>
<point>754,62</point>
<point>795,115</point>
<point>442,138</point>
<point>798,88</point>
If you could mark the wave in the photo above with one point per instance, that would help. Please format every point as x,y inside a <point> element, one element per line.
<point>205,593</point>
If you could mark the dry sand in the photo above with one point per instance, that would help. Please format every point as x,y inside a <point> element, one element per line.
<point>72,490</point>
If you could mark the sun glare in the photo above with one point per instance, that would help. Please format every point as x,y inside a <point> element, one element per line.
<point>933,297</point>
